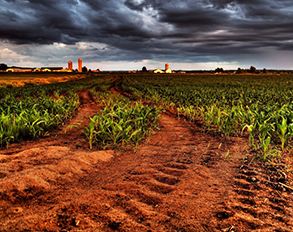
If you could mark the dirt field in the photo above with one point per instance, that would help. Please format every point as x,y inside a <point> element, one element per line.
<point>179,179</point>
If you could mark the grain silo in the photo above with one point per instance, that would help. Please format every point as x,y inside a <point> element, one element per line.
<point>167,66</point>
<point>79,65</point>
<point>70,66</point>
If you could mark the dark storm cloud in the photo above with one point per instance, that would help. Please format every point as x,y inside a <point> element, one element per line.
<point>187,29</point>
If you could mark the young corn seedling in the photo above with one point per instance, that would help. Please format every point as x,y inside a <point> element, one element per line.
<point>283,127</point>
<point>265,145</point>
<point>251,132</point>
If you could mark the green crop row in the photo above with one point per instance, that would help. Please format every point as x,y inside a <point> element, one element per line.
<point>30,118</point>
<point>121,122</point>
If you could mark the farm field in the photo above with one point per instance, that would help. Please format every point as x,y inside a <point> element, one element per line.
<point>20,79</point>
<point>145,152</point>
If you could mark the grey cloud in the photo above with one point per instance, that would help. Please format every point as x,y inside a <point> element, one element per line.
<point>153,29</point>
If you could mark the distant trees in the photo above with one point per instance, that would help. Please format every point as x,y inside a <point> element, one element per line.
<point>252,69</point>
<point>3,67</point>
<point>84,69</point>
<point>219,70</point>
<point>239,70</point>
<point>144,69</point>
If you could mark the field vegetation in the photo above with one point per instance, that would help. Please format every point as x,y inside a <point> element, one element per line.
<point>22,79</point>
<point>33,110</point>
<point>30,112</point>
<point>256,105</point>
<point>120,122</point>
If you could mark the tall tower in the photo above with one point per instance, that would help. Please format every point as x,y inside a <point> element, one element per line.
<point>79,65</point>
<point>69,65</point>
<point>167,66</point>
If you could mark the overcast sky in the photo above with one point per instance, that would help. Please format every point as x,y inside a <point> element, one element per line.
<point>129,34</point>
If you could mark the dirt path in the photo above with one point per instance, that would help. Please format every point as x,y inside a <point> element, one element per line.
<point>180,179</point>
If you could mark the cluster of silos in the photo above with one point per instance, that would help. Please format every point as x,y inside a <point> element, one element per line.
<point>79,62</point>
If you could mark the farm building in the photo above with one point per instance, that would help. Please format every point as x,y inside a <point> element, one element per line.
<point>167,69</point>
<point>52,69</point>
<point>158,71</point>
<point>19,69</point>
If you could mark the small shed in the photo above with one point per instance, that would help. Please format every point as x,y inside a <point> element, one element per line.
<point>158,71</point>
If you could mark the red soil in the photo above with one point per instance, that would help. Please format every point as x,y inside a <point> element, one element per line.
<point>179,179</point>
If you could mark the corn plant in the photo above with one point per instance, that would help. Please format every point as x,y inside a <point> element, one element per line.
<point>121,123</point>
<point>283,128</point>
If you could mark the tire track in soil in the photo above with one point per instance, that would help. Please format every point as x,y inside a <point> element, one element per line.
<point>259,200</point>
<point>177,180</point>
<point>146,196</point>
